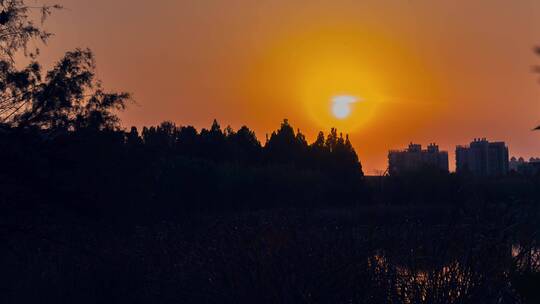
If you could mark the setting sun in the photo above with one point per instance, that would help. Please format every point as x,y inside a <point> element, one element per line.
<point>342,106</point>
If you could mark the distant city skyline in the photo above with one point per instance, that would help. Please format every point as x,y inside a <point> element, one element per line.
<point>415,158</point>
<point>483,158</point>
<point>481,154</point>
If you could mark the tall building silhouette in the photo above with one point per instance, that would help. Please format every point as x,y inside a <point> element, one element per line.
<point>482,158</point>
<point>414,158</point>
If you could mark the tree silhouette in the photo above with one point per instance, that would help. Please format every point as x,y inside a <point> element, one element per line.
<point>68,97</point>
<point>17,29</point>
<point>213,142</point>
<point>284,146</point>
<point>133,139</point>
<point>187,141</point>
<point>244,146</point>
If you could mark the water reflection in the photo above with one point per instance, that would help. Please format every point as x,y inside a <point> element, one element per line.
<point>526,257</point>
<point>452,282</point>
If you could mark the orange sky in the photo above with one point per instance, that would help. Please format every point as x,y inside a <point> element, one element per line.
<point>428,71</point>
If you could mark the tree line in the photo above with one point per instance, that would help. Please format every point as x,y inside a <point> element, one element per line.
<point>170,169</point>
<point>332,154</point>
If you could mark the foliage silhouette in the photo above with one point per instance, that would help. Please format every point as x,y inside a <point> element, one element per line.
<point>67,97</point>
<point>17,30</point>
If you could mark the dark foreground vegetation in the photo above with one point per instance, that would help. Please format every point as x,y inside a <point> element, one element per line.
<point>93,213</point>
<point>375,254</point>
<point>176,215</point>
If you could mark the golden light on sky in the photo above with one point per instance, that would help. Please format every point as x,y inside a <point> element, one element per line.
<point>422,71</point>
<point>332,69</point>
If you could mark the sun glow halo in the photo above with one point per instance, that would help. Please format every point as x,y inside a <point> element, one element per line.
<point>339,94</point>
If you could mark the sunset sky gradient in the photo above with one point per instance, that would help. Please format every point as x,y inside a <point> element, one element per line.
<point>426,71</point>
